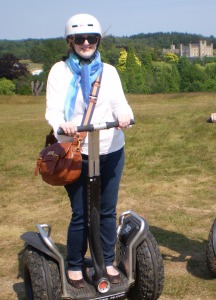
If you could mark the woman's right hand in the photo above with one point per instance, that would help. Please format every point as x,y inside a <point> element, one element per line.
<point>69,128</point>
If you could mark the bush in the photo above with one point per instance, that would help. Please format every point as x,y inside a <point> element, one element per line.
<point>24,89</point>
<point>210,85</point>
<point>7,87</point>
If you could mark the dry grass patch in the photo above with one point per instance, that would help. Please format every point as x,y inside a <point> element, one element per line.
<point>169,179</point>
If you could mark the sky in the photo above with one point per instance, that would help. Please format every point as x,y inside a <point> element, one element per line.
<point>44,19</point>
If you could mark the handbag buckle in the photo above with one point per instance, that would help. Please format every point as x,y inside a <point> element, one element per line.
<point>51,153</point>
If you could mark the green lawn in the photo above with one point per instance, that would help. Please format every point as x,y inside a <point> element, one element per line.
<point>169,179</point>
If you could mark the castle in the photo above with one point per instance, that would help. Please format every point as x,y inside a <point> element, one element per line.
<point>192,50</point>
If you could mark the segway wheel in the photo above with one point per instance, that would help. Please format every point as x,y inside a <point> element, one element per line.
<point>211,250</point>
<point>149,281</point>
<point>41,275</point>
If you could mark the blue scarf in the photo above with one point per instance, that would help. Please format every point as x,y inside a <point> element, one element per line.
<point>83,75</point>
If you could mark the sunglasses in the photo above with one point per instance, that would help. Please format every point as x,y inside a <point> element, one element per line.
<point>80,40</point>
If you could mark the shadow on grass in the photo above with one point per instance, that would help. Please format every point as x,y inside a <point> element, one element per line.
<point>19,290</point>
<point>192,252</point>
<point>19,287</point>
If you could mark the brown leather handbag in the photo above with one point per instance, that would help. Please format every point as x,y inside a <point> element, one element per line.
<point>60,163</point>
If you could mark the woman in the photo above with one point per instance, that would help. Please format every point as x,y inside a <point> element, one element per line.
<point>68,87</point>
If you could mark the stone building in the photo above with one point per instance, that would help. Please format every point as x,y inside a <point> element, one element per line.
<point>202,49</point>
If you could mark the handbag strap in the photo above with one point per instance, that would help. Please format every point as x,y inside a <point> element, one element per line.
<point>50,139</point>
<point>92,100</point>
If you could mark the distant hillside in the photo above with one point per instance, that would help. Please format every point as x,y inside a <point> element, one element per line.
<point>22,48</point>
<point>164,40</point>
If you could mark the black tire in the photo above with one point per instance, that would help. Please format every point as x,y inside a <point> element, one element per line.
<point>149,281</point>
<point>41,275</point>
<point>210,251</point>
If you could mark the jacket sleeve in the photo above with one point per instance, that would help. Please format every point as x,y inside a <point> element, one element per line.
<point>119,101</point>
<point>55,97</point>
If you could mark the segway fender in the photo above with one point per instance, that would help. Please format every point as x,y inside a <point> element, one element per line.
<point>34,239</point>
<point>214,236</point>
<point>37,241</point>
<point>131,232</point>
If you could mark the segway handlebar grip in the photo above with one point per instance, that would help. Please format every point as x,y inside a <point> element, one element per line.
<point>93,127</point>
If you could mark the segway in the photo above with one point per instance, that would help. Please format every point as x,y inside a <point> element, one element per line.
<point>211,250</point>
<point>138,258</point>
<point>211,242</point>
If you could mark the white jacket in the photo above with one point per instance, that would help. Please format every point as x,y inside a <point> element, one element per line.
<point>111,102</point>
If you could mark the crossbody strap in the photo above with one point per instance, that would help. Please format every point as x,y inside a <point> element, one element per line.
<point>50,139</point>
<point>92,100</point>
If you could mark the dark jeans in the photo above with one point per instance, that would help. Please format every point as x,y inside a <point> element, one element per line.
<point>111,167</point>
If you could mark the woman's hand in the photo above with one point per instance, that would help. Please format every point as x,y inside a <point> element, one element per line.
<point>124,120</point>
<point>69,128</point>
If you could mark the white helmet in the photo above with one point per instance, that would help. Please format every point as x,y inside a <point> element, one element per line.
<point>82,24</point>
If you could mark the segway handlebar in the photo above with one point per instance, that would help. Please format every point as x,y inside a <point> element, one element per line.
<point>96,126</point>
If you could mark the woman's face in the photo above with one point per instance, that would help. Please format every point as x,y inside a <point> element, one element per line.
<point>85,45</point>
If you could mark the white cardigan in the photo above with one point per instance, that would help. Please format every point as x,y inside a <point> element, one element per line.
<point>111,103</point>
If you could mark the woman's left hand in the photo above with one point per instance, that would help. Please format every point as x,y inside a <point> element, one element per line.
<point>69,128</point>
<point>124,120</point>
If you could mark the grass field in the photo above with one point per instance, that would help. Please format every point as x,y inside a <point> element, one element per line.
<point>169,179</point>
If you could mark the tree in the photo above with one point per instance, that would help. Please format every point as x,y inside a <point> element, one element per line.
<point>146,59</point>
<point>7,87</point>
<point>130,68</point>
<point>165,78</point>
<point>171,57</point>
<point>36,87</point>
<point>11,68</point>
<point>210,70</point>
<point>193,75</point>
<point>133,71</point>
<point>122,61</point>
<point>37,53</point>
<point>209,85</point>
<point>54,50</point>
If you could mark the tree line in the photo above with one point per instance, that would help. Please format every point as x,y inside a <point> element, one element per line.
<point>139,60</point>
